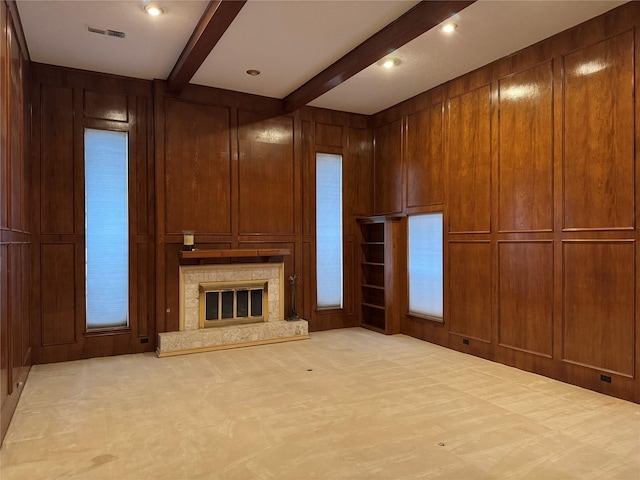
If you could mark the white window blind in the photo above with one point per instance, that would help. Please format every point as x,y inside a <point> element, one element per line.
<point>106,229</point>
<point>425,265</point>
<point>329,230</point>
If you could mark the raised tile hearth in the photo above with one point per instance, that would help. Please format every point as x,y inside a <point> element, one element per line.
<point>191,338</point>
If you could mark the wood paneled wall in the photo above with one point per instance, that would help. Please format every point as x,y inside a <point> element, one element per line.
<point>349,135</point>
<point>15,236</point>
<point>533,161</point>
<point>65,102</point>
<point>232,168</point>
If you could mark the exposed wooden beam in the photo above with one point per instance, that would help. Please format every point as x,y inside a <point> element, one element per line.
<point>214,22</point>
<point>424,16</point>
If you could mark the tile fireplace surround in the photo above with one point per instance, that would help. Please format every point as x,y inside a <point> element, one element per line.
<point>192,339</point>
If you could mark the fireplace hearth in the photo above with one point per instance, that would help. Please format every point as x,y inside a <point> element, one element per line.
<point>228,306</point>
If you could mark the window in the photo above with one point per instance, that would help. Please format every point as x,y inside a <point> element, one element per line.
<point>425,265</point>
<point>106,229</point>
<point>329,230</point>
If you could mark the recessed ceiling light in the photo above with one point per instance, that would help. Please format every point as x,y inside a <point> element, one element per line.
<point>448,27</point>
<point>154,10</point>
<point>389,62</point>
<point>253,72</point>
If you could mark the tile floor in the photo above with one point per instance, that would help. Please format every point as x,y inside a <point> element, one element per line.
<point>346,404</point>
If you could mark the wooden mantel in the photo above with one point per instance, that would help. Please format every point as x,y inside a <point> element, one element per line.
<point>234,253</point>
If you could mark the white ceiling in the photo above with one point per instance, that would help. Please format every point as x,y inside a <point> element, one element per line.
<point>291,41</point>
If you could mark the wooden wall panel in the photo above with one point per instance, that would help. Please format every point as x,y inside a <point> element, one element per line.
<point>358,173</point>
<point>526,296</point>
<point>16,169</point>
<point>197,168</point>
<point>144,171</point>
<point>15,122</point>
<point>387,166</point>
<point>525,172</point>
<point>16,307</point>
<point>599,135</point>
<point>56,207</point>
<point>26,304</point>
<point>469,287</point>
<point>599,285</point>
<point>266,174</point>
<point>424,157</point>
<point>328,135</point>
<point>61,99</point>
<point>58,293</point>
<point>106,106</point>
<point>4,119</point>
<point>308,181</point>
<point>5,360</point>
<point>144,288</point>
<point>470,162</point>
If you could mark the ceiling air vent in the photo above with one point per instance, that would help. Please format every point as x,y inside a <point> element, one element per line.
<point>104,31</point>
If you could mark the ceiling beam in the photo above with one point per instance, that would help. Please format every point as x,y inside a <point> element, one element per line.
<point>424,16</point>
<point>214,22</point>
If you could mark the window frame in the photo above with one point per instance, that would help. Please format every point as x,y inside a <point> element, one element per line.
<point>118,329</point>
<point>331,308</point>
<point>417,315</point>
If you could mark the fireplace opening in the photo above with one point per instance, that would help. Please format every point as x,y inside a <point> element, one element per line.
<point>222,303</point>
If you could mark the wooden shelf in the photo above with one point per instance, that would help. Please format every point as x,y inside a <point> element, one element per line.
<point>235,253</point>
<point>382,248</point>
<point>371,305</point>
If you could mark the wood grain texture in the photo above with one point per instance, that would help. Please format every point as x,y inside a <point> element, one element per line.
<point>144,289</point>
<point>266,174</point>
<point>56,160</point>
<point>57,293</point>
<point>599,135</point>
<point>599,284</point>
<point>4,121</point>
<point>59,330</point>
<point>16,139</point>
<point>235,253</point>
<point>358,174</point>
<point>144,170</point>
<point>328,135</point>
<point>525,296</point>
<point>197,168</point>
<point>470,162</point>
<point>424,157</point>
<point>470,289</point>
<point>106,106</point>
<point>16,308</point>
<point>387,166</point>
<point>5,337</point>
<point>15,259</point>
<point>585,77</point>
<point>525,170</point>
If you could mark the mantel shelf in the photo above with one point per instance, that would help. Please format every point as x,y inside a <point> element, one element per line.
<point>235,253</point>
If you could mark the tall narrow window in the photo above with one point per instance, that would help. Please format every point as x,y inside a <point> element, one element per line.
<point>106,229</point>
<point>425,265</point>
<point>329,230</point>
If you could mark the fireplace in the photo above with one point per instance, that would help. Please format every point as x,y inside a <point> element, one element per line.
<point>230,305</point>
<point>223,303</point>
